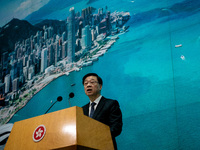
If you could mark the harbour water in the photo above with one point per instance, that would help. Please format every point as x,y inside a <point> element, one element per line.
<point>143,70</point>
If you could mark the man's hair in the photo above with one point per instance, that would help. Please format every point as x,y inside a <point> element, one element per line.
<point>100,81</point>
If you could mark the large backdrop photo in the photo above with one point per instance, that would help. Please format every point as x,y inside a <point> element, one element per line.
<point>147,53</point>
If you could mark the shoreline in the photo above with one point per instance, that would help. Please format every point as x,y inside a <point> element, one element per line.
<point>28,99</point>
<point>43,83</point>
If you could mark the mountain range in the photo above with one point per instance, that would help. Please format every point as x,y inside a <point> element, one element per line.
<point>19,30</point>
<point>14,31</point>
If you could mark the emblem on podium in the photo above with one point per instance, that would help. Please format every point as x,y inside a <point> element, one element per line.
<point>39,133</point>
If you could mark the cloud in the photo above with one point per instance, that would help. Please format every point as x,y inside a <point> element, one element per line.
<point>18,9</point>
<point>29,6</point>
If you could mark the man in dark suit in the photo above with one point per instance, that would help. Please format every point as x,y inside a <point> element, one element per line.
<point>100,108</point>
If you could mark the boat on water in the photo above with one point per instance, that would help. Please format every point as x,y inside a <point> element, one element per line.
<point>73,84</point>
<point>182,57</point>
<point>179,45</point>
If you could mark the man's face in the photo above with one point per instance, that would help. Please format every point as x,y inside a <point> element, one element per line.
<point>92,87</point>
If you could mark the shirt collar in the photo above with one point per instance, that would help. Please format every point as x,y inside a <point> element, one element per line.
<point>96,100</point>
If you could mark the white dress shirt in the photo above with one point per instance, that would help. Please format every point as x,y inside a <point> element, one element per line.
<point>95,106</point>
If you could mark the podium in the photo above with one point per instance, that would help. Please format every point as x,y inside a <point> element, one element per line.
<point>67,129</point>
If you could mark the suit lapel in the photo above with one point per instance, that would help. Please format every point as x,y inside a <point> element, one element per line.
<point>99,107</point>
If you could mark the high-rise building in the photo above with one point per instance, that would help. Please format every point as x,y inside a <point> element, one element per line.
<point>87,15</point>
<point>56,52</point>
<point>4,59</point>
<point>20,67</point>
<point>103,27</point>
<point>100,11</point>
<point>78,45</point>
<point>108,21</point>
<point>31,43</point>
<point>64,49</point>
<point>2,88</point>
<point>43,60</point>
<point>63,37</point>
<point>15,84</point>
<point>86,38</point>
<point>29,63</point>
<point>31,72</point>
<point>7,83</point>
<point>1,74</point>
<point>13,71</point>
<point>97,30</point>
<point>71,36</point>
<point>45,35</point>
<point>50,54</point>
<point>25,72</point>
<point>38,37</point>
<point>50,32</point>
<point>19,51</point>
<point>4,65</point>
<point>94,34</point>
<point>80,27</point>
<point>32,58</point>
<point>37,65</point>
<point>25,59</point>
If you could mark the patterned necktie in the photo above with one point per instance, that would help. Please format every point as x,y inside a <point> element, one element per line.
<point>92,109</point>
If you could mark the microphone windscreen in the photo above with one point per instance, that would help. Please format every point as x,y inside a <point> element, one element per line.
<point>59,98</point>
<point>71,95</point>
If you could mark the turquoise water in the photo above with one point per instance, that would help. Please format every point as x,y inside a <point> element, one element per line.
<point>157,90</point>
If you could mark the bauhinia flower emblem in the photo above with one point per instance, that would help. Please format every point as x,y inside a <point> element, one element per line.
<point>39,133</point>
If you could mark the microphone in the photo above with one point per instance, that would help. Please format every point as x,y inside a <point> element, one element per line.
<point>71,95</point>
<point>59,98</point>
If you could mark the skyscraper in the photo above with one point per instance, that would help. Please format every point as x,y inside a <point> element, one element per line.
<point>86,38</point>
<point>87,15</point>
<point>13,71</point>
<point>25,72</point>
<point>43,60</point>
<point>63,37</point>
<point>56,59</point>
<point>15,84</point>
<point>31,72</point>
<point>20,67</point>
<point>71,36</point>
<point>4,59</point>
<point>51,55</point>
<point>7,83</point>
<point>64,49</point>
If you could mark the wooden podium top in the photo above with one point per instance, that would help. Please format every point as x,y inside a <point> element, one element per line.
<point>66,129</point>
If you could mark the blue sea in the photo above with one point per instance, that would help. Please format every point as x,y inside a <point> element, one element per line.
<point>156,83</point>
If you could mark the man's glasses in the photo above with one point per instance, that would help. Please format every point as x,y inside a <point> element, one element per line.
<point>91,82</point>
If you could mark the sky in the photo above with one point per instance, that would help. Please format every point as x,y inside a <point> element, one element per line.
<point>10,9</point>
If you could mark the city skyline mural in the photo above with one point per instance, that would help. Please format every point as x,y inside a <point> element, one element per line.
<point>147,55</point>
